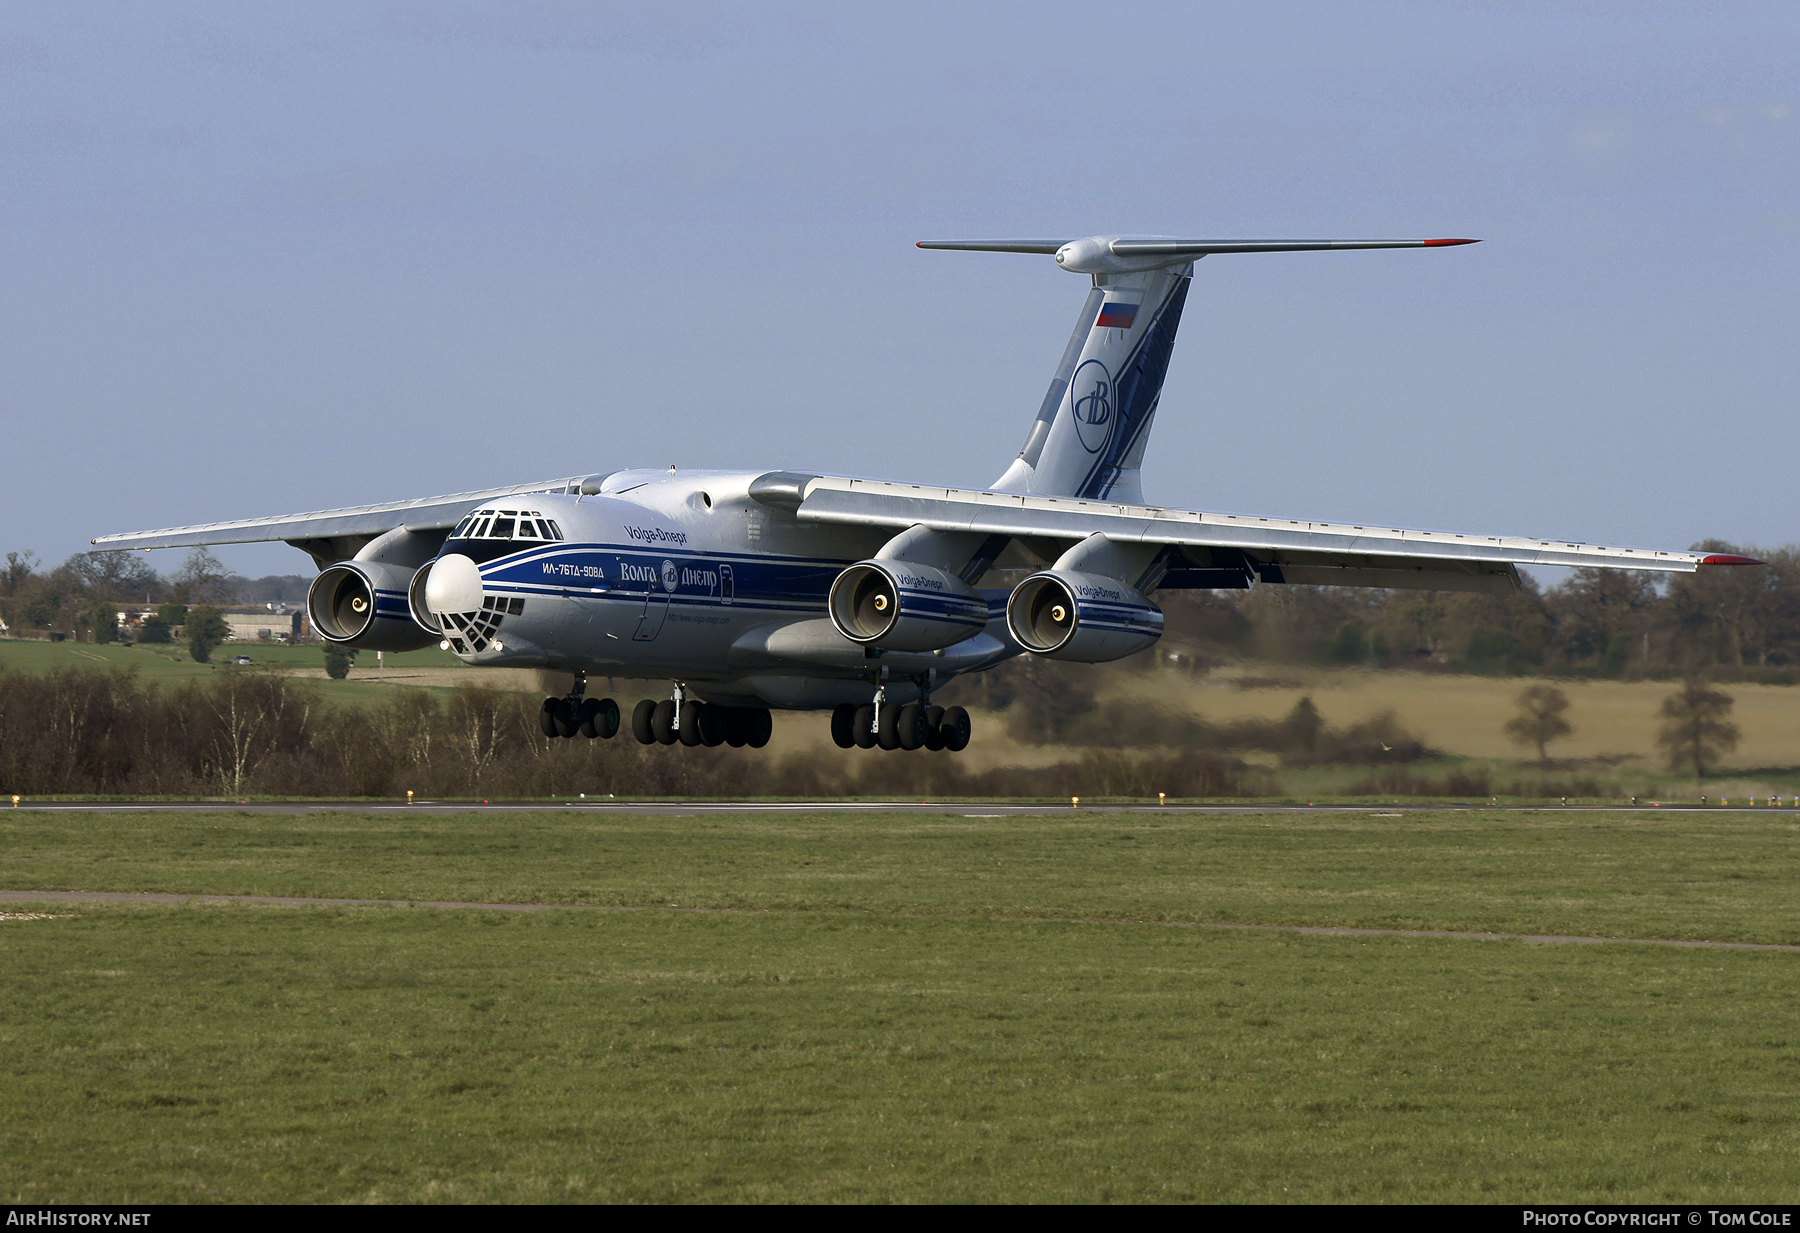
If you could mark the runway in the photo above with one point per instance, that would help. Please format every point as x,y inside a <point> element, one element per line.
<point>967,809</point>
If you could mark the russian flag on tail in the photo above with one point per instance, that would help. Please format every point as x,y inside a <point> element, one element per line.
<point>1116,316</point>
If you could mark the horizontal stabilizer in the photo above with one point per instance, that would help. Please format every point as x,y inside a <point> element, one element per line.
<point>1044,247</point>
<point>1116,254</point>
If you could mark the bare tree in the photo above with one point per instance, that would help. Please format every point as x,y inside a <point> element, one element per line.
<point>201,580</point>
<point>19,566</point>
<point>1695,731</point>
<point>113,574</point>
<point>1540,719</point>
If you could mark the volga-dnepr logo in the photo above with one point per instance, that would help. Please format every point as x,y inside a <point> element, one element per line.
<point>1091,405</point>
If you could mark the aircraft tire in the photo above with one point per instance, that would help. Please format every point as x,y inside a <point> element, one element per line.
<point>547,717</point>
<point>761,725</point>
<point>737,727</point>
<point>642,722</point>
<point>690,734</point>
<point>599,718</point>
<point>843,719</point>
<point>711,723</point>
<point>568,719</point>
<point>956,729</point>
<point>860,724</point>
<point>934,728</point>
<point>912,726</point>
<point>662,722</point>
<point>888,736</point>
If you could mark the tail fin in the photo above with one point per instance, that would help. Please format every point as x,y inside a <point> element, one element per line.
<point>1089,436</point>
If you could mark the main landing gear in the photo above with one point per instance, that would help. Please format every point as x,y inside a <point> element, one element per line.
<point>594,718</point>
<point>679,720</point>
<point>891,725</point>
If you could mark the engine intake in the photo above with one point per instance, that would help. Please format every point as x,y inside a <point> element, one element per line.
<point>899,606</point>
<point>1081,617</point>
<point>363,604</point>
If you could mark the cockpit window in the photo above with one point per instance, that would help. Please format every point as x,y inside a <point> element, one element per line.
<point>507,524</point>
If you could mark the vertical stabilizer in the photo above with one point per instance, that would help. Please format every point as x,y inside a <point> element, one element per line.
<point>1088,439</point>
<point>1089,436</point>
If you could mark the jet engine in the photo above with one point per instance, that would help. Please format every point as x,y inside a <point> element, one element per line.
<point>900,606</point>
<point>363,604</point>
<point>1082,617</point>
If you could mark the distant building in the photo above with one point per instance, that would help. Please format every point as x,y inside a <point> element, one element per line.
<point>259,624</point>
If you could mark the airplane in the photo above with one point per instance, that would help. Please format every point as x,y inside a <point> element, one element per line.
<point>796,589</point>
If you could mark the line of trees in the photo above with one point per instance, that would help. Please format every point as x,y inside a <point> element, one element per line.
<point>1727,622</point>
<point>82,597</point>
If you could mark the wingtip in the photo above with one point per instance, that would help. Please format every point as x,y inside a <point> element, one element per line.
<point>1729,558</point>
<point>1448,243</point>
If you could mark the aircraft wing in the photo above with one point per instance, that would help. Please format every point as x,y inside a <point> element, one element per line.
<point>1217,547</point>
<point>354,522</point>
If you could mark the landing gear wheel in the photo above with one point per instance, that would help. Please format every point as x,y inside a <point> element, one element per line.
<point>956,729</point>
<point>912,726</point>
<point>567,721</point>
<point>842,717</point>
<point>762,727</point>
<point>860,723</point>
<point>737,727</point>
<point>690,723</point>
<point>888,735</point>
<point>547,717</point>
<point>662,722</point>
<point>599,718</point>
<point>643,722</point>
<point>934,728</point>
<point>711,724</point>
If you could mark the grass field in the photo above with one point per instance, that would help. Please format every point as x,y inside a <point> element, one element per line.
<point>902,1008</point>
<point>1465,715</point>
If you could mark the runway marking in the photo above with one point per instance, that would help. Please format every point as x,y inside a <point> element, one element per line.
<point>281,901</point>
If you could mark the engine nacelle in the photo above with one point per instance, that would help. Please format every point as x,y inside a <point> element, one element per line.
<point>900,606</point>
<point>363,604</point>
<point>1082,617</point>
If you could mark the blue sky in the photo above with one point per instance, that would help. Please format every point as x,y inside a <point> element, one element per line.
<point>266,258</point>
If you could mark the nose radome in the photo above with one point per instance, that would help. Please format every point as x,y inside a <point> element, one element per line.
<point>454,584</point>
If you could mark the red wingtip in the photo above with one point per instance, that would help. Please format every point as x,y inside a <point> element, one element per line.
<point>1448,243</point>
<point>1726,558</point>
